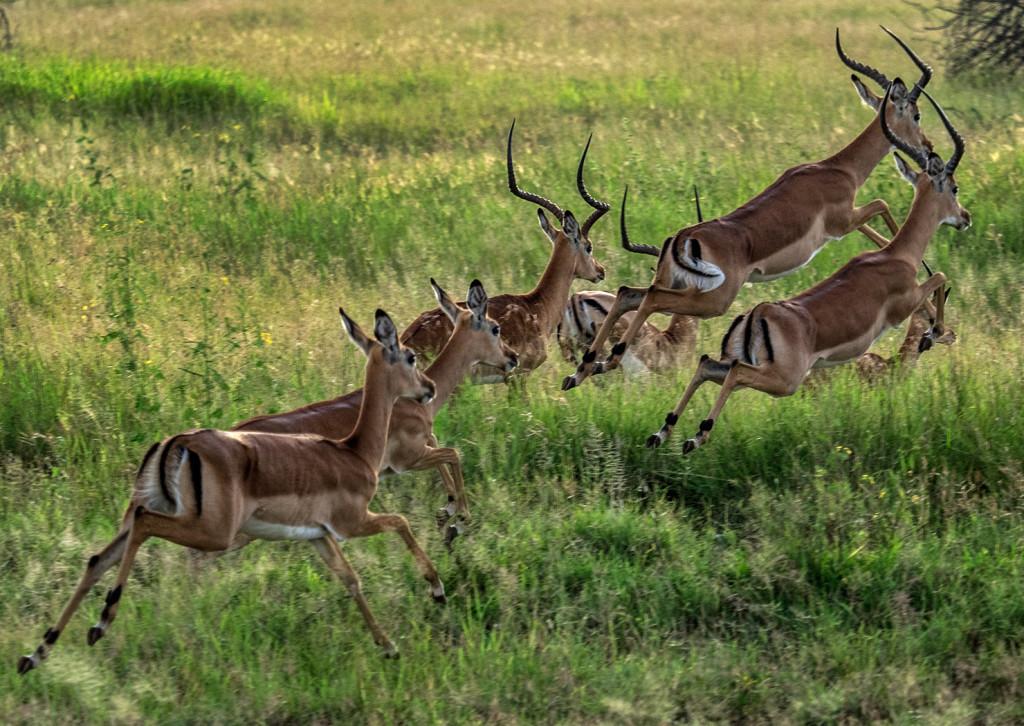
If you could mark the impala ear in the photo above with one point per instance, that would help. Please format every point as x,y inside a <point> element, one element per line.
<point>904,169</point>
<point>936,166</point>
<point>545,225</point>
<point>385,332</point>
<point>447,305</point>
<point>477,302</point>
<point>867,96</point>
<point>572,228</point>
<point>356,334</point>
<point>898,94</point>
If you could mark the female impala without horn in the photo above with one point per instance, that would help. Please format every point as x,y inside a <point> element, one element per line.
<point>772,347</point>
<point>203,489</point>
<point>701,268</point>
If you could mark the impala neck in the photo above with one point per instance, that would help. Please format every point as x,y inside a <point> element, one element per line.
<point>922,222</point>
<point>861,156</point>
<point>369,437</point>
<point>549,297</point>
<point>449,368</point>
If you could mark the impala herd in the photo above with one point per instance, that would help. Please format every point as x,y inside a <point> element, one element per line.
<point>310,474</point>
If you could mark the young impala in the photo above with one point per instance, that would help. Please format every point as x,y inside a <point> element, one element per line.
<point>772,347</point>
<point>204,488</point>
<point>529,320</point>
<point>411,444</point>
<point>701,268</point>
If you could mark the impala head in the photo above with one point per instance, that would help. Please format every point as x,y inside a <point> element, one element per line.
<point>936,176</point>
<point>572,234</point>
<point>401,376</point>
<point>902,114</point>
<point>481,333</point>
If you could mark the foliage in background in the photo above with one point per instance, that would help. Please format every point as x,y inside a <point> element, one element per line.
<point>985,35</point>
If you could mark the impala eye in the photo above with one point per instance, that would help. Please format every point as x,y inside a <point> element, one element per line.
<point>495,330</point>
<point>956,190</point>
<point>411,359</point>
<point>590,248</point>
<point>917,118</point>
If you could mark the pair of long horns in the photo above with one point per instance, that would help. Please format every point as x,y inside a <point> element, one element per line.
<point>921,155</point>
<point>879,77</point>
<point>600,208</point>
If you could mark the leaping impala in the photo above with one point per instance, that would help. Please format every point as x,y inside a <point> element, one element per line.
<point>772,347</point>
<point>528,321</point>
<point>701,268</point>
<point>204,488</point>
<point>411,444</point>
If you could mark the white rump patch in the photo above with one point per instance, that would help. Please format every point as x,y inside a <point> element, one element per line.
<point>711,277</point>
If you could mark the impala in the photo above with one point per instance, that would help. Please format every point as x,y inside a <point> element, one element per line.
<point>204,488</point>
<point>528,321</point>
<point>773,346</point>
<point>702,267</point>
<point>653,350</point>
<point>411,444</point>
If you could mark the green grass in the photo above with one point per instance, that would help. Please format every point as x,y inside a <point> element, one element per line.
<point>188,192</point>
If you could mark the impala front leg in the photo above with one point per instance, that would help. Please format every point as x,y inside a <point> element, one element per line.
<point>626,300</point>
<point>937,333</point>
<point>377,523</point>
<point>707,370</point>
<point>331,553</point>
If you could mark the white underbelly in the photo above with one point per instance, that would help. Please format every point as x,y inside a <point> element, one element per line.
<point>845,355</point>
<point>259,529</point>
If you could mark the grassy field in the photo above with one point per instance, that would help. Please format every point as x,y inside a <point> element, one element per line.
<point>188,190</point>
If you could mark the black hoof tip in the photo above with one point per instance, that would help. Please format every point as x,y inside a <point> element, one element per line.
<point>925,344</point>
<point>653,441</point>
<point>25,664</point>
<point>569,383</point>
<point>95,633</point>
<point>440,599</point>
<point>688,446</point>
<point>450,534</point>
<point>391,652</point>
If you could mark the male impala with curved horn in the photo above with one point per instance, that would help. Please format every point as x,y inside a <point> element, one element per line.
<point>772,347</point>
<point>411,444</point>
<point>528,321</point>
<point>201,489</point>
<point>701,268</point>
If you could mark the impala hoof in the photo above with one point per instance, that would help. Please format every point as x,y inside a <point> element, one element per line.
<point>653,441</point>
<point>925,344</point>
<point>440,599</point>
<point>25,664</point>
<point>442,516</point>
<point>95,633</point>
<point>688,446</point>
<point>569,382</point>
<point>450,534</point>
<point>390,651</point>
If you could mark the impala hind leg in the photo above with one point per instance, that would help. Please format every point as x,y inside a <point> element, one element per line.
<point>707,370</point>
<point>329,550</point>
<point>184,530</point>
<point>377,523</point>
<point>767,378</point>
<point>98,564</point>
<point>627,299</point>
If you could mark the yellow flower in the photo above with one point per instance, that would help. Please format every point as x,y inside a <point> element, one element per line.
<point>236,127</point>
<point>265,337</point>
<point>224,280</point>
<point>881,494</point>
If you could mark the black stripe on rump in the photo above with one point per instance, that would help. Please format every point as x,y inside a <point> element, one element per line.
<point>163,469</point>
<point>767,341</point>
<point>747,332</point>
<point>725,340</point>
<point>196,466</point>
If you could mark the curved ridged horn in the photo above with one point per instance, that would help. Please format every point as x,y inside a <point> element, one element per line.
<point>958,141</point>
<point>514,188</point>
<point>875,75</point>
<point>626,244</point>
<point>601,208</point>
<point>926,70</point>
<point>696,199</point>
<point>920,156</point>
